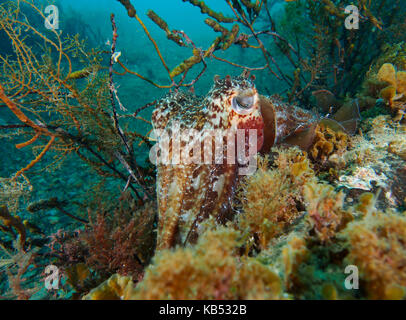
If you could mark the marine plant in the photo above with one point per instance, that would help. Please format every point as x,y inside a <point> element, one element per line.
<point>328,142</point>
<point>395,90</point>
<point>115,288</point>
<point>60,111</point>
<point>267,212</point>
<point>294,254</point>
<point>212,269</point>
<point>120,242</point>
<point>326,216</point>
<point>19,265</point>
<point>385,80</point>
<point>322,55</point>
<point>376,245</point>
<point>288,233</point>
<point>70,94</point>
<point>327,54</point>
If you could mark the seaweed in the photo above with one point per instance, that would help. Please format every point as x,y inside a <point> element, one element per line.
<point>293,226</point>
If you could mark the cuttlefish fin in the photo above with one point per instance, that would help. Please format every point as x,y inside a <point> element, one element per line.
<point>325,100</point>
<point>269,118</point>
<point>345,119</point>
<point>348,116</point>
<point>303,137</point>
<point>333,125</point>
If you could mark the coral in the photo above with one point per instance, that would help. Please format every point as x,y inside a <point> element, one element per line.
<point>329,292</point>
<point>204,272</point>
<point>9,222</point>
<point>76,106</point>
<point>227,37</point>
<point>80,74</point>
<point>245,14</point>
<point>67,249</point>
<point>129,7</point>
<point>375,159</point>
<point>121,243</point>
<point>164,26</point>
<point>269,197</point>
<point>398,147</point>
<point>115,288</point>
<point>328,142</point>
<point>38,130</point>
<point>329,70</point>
<point>12,191</point>
<point>362,178</point>
<point>372,88</point>
<point>383,81</point>
<point>209,270</point>
<point>388,94</point>
<point>390,85</point>
<point>401,82</point>
<point>52,203</point>
<point>372,145</point>
<point>387,73</point>
<point>366,203</point>
<point>291,232</point>
<point>20,270</point>
<point>306,265</point>
<point>396,80</point>
<point>206,10</point>
<point>377,248</point>
<point>257,281</point>
<point>294,254</point>
<point>392,53</point>
<point>77,275</point>
<point>325,213</point>
<point>187,64</point>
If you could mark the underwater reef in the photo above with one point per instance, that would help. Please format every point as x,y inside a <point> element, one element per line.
<point>264,160</point>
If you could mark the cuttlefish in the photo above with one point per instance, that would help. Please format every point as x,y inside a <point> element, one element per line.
<point>205,142</point>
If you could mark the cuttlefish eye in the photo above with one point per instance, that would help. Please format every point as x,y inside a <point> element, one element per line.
<point>243,104</point>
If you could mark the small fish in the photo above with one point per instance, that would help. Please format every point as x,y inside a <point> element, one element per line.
<point>116,55</point>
